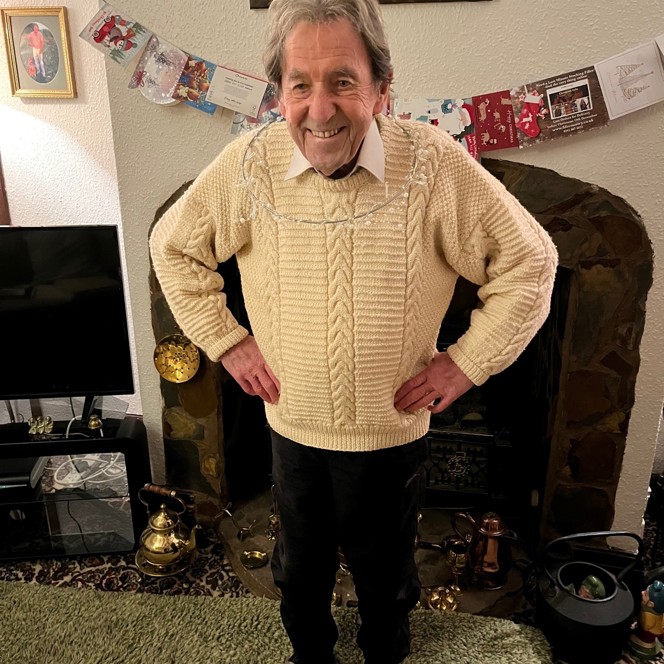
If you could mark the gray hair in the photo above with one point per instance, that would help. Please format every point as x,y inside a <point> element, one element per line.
<point>365,15</point>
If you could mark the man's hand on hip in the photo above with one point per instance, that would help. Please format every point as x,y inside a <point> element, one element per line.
<point>246,364</point>
<point>436,387</point>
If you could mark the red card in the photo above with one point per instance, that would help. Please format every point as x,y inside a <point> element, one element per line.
<point>494,121</point>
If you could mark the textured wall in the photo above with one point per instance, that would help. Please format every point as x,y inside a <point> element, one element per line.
<point>455,49</point>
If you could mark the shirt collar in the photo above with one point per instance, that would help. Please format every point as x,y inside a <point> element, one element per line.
<point>371,157</point>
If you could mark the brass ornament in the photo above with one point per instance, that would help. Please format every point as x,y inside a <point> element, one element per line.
<point>40,425</point>
<point>176,358</point>
<point>443,598</point>
<point>253,558</point>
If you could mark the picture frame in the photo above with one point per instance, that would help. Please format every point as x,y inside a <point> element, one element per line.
<point>38,52</point>
<point>264,4</point>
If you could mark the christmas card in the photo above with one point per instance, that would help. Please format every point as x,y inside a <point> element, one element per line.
<point>115,34</point>
<point>194,83</point>
<point>268,112</point>
<point>158,71</point>
<point>494,121</point>
<point>455,116</point>
<point>560,106</point>
<point>660,44</point>
<point>632,80</point>
<point>237,91</point>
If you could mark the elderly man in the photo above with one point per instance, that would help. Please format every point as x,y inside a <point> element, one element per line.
<point>350,230</point>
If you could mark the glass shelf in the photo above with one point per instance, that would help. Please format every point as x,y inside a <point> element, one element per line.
<point>79,505</point>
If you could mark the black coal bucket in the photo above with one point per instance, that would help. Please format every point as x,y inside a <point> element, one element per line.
<point>584,629</point>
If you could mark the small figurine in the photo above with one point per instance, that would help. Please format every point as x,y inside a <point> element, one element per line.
<point>591,588</point>
<point>645,642</point>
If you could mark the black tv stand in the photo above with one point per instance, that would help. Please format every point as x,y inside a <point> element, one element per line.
<point>65,520</point>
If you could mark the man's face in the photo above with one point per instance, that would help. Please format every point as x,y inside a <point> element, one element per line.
<point>328,95</point>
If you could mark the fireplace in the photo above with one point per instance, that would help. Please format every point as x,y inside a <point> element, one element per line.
<point>542,442</point>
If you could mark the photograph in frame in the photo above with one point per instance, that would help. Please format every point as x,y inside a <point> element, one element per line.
<point>38,52</point>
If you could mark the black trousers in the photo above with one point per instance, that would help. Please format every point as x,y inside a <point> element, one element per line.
<point>365,503</point>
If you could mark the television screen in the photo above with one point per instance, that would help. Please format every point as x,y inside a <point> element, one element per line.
<point>63,320</point>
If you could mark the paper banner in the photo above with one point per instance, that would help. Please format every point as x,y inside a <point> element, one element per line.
<point>455,116</point>
<point>237,91</point>
<point>268,112</point>
<point>158,71</point>
<point>115,34</point>
<point>559,106</point>
<point>632,80</point>
<point>194,84</point>
<point>494,121</point>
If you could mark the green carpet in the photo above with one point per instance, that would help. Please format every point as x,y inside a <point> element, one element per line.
<point>50,625</point>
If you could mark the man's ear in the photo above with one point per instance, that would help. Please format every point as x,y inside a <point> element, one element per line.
<point>280,102</point>
<point>383,101</point>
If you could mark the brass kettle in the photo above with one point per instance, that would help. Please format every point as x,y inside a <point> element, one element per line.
<point>166,546</point>
<point>489,555</point>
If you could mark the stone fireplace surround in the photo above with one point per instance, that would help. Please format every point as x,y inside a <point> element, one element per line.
<point>216,442</point>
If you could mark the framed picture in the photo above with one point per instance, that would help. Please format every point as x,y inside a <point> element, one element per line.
<point>38,52</point>
<point>262,4</point>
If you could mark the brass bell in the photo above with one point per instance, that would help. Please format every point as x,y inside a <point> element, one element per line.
<point>166,546</point>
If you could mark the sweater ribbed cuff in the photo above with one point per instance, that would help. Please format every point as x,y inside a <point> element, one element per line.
<point>472,371</point>
<point>215,350</point>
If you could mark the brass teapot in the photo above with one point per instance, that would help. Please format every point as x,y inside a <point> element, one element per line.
<point>166,546</point>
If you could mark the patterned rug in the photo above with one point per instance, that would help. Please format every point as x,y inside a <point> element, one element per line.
<point>210,573</point>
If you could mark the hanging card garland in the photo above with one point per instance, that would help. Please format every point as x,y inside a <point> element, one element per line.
<point>522,116</point>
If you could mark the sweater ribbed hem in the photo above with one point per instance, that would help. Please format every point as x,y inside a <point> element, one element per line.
<point>349,439</point>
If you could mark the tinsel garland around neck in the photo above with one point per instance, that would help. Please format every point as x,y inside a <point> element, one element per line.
<point>416,176</point>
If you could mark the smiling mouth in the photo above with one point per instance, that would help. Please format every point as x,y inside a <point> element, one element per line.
<point>325,134</point>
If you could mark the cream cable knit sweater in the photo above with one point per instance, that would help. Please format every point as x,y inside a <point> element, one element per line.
<point>346,312</point>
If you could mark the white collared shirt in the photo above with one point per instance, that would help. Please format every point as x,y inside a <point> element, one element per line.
<point>371,157</point>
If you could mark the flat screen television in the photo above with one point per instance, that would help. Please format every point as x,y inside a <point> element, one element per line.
<point>63,320</point>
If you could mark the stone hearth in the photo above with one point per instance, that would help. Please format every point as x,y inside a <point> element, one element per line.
<point>575,383</point>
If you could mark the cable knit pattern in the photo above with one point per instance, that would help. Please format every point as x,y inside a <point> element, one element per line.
<point>340,338</point>
<point>418,201</point>
<point>346,281</point>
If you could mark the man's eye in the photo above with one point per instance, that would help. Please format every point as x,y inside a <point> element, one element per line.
<point>344,83</point>
<point>299,87</point>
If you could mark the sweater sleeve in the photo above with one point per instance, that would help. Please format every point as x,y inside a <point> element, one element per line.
<point>199,231</point>
<point>499,246</point>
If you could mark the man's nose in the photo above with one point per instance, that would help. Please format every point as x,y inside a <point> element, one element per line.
<point>322,107</point>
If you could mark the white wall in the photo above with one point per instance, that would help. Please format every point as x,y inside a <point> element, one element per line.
<point>447,49</point>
